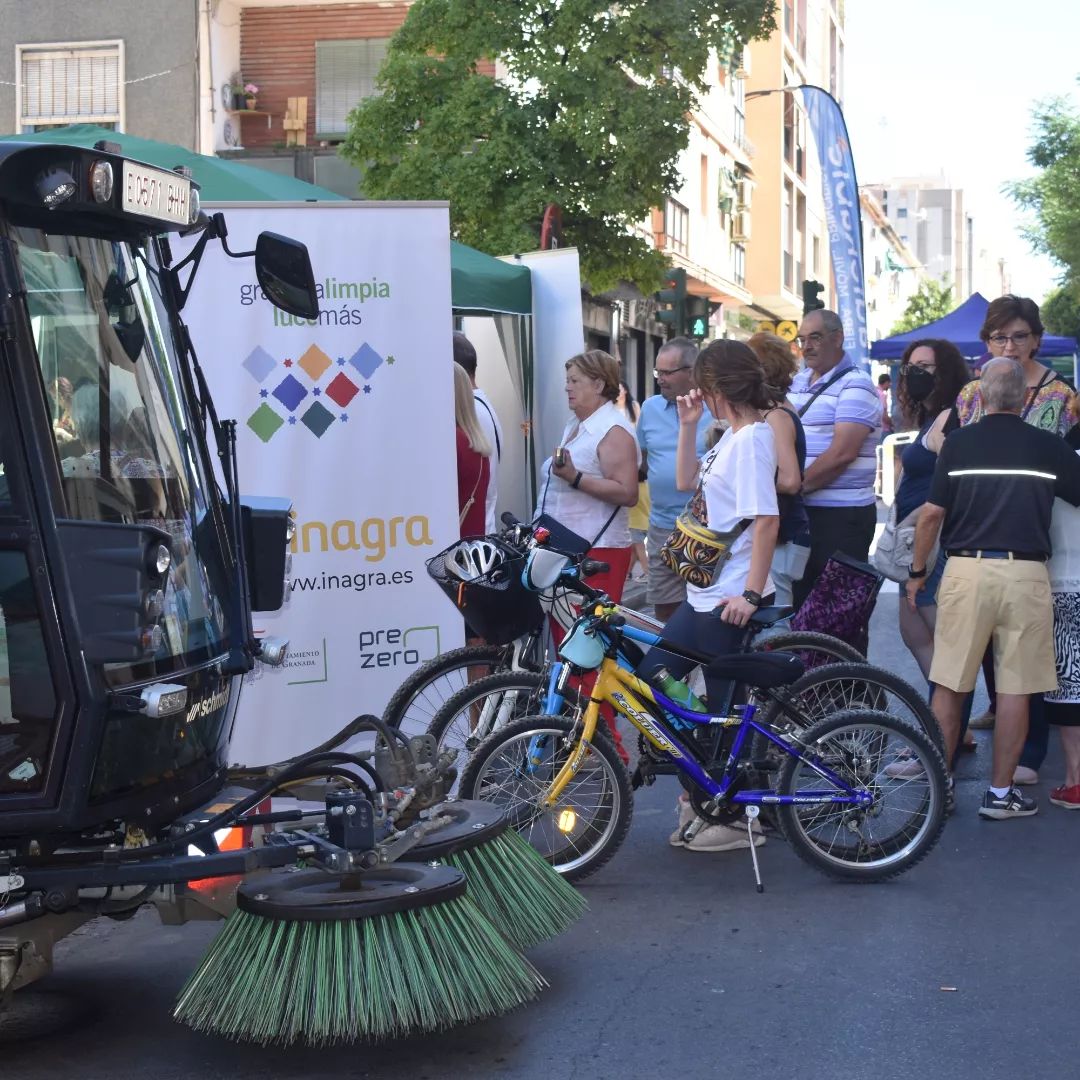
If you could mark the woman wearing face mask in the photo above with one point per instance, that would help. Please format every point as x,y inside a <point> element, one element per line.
<point>932,374</point>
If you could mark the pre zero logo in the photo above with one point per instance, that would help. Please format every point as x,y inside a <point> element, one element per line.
<point>314,390</point>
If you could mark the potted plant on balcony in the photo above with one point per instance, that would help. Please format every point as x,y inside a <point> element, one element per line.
<point>250,90</point>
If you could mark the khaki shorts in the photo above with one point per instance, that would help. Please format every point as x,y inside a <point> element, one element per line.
<point>665,586</point>
<point>1006,601</point>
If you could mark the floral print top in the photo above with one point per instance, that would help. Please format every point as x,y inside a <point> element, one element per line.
<point>1045,407</point>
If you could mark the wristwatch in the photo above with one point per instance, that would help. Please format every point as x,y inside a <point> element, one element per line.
<point>752,597</point>
<point>576,482</point>
<point>916,574</point>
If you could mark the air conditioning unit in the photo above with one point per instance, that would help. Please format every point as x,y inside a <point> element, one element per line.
<point>740,227</point>
<point>744,188</point>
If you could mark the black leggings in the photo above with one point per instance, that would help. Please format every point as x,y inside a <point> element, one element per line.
<point>704,632</point>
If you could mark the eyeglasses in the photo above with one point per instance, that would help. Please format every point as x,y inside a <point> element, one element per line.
<point>815,338</point>
<point>1001,340</point>
<point>659,373</point>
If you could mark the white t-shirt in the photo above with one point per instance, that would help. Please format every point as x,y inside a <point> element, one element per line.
<point>740,482</point>
<point>492,429</point>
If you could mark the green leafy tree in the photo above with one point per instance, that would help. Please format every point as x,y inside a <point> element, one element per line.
<point>591,114</point>
<point>932,300</point>
<point>1060,311</point>
<point>1051,195</point>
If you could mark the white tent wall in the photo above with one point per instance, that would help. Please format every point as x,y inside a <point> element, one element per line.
<point>557,335</point>
<point>493,377</point>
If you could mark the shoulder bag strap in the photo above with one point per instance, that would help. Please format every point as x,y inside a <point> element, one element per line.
<point>494,427</point>
<point>1033,393</point>
<point>472,498</point>
<point>821,387</point>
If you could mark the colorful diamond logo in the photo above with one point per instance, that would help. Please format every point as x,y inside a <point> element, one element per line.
<point>265,422</point>
<point>317,419</point>
<point>341,390</point>
<point>366,360</point>
<point>314,362</point>
<point>259,363</point>
<point>290,393</point>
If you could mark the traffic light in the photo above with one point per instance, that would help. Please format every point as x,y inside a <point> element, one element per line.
<point>673,295</point>
<point>810,301</point>
<point>698,310</point>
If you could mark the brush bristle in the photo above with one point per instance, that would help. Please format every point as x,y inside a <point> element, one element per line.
<point>518,890</point>
<point>321,983</point>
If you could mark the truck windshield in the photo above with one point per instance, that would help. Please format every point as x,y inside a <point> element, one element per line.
<point>124,435</point>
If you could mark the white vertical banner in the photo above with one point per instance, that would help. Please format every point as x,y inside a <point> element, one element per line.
<point>352,418</point>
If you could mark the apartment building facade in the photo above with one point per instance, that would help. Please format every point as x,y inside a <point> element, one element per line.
<point>70,62</point>
<point>790,234</point>
<point>893,272</point>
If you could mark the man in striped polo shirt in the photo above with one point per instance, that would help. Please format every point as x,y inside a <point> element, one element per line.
<point>841,413</point>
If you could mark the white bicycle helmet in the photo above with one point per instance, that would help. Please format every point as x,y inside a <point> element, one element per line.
<point>473,559</point>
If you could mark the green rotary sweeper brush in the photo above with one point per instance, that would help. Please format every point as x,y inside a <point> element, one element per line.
<point>508,878</point>
<point>318,958</point>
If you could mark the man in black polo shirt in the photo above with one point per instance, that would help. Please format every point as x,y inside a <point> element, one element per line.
<point>992,496</point>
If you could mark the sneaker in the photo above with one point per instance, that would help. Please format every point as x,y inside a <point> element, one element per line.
<point>1010,805</point>
<point>686,815</point>
<point>950,795</point>
<point>1025,777</point>
<point>1066,797</point>
<point>904,767</point>
<point>982,723</point>
<point>725,838</point>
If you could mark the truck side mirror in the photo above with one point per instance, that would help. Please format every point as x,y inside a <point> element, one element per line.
<point>268,528</point>
<point>283,268</point>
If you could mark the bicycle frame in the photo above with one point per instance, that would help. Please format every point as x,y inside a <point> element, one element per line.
<point>631,696</point>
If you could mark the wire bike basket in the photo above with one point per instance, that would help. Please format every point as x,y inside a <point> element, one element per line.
<point>496,605</point>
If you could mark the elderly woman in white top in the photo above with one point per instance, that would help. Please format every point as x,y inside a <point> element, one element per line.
<point>591,480</point>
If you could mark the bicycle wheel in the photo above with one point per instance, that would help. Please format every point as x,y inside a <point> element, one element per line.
<point>514,766</point>
<point>835,687</point>
<point>427,689</point>
<point>891,834</point>
<point>814,649</point>
<point>488,704</point>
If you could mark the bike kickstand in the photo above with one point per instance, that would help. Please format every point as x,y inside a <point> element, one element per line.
<point>751,816</point>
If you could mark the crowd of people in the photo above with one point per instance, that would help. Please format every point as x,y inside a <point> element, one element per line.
<point>776,462</point>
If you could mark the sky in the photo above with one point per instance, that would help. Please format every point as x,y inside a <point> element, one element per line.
<point>947,86</point>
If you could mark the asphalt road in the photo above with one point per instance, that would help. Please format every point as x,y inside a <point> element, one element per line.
<point>965,967</point>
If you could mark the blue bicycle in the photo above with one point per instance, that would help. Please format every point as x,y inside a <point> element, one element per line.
<point>859,794</point>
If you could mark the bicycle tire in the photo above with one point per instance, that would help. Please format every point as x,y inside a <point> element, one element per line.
<point>615,822</point>
<point>532,683</point>
<point>876,680</point>
<point>901,853</point>
<point>409,692</point>
<point>811,642</point>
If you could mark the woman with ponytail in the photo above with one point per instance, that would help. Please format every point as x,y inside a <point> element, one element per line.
<point>736,490</point>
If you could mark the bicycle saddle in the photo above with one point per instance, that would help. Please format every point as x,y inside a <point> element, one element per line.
<point>767,616</point>
<point>765,670</point>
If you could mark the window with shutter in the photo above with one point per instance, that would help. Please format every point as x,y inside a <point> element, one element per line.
<point>70,84</point>
<point>345,73</point>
